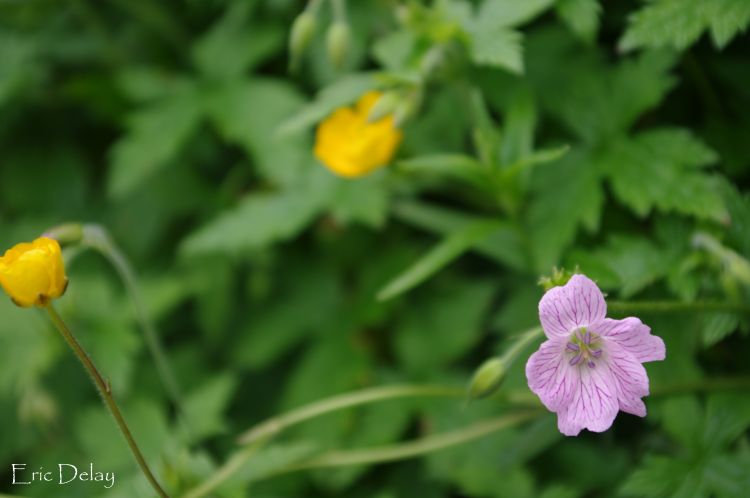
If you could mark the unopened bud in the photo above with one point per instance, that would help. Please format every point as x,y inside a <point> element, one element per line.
<point>337,42</point>
<point>384,106</point>
<point>303,30</point>
<point>67,233</point>
<point>408,107</point>
<point>432,61</point>
<point>37,406</point>
<point>559,277</point>
<point>487,379</point>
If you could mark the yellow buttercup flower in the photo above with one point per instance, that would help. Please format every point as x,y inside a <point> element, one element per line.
<point>32,273</point>
<point>350,146</point>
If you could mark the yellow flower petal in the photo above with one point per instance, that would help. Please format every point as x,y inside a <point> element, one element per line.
<point>33,273</point>
<point>350,146</point>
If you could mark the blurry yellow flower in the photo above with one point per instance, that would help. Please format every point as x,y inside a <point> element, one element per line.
<point>33,273</point>
<point>350,146</point>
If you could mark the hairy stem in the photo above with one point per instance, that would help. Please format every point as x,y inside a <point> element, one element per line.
<point>106,392</point>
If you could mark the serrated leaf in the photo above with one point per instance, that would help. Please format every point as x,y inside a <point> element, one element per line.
<point>248,112</point>
<point>567,195</point>
<point>506,13</point>
<point>660,169</point>
<point>581,16</point>
<point>232,45</point>
<point>438,257</point>
<point>497,47</point>
<point>206,405</point>
<point>679,23</point>
<point>448,319</point>
<point>155,136</point>
<point>257,221</point>
<point>717,326</point>
<point>340,93</point>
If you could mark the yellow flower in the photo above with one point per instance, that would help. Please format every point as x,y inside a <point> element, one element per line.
<point>350,146</point>
<point>33,273</point>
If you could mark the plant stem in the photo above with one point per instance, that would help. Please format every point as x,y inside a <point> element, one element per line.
<point>624,307</point>
<point>106,392</point>
<point>98,238</point>
<point>521,343</point>
<point>233,465</point>
<point>339,10</point>
<point>415,448</point>
<point>275,425</point>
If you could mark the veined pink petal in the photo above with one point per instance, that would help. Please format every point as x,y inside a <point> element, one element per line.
<point>579,303</point>
<point>594,403</point>
<point>629,377</point>
<point>550,375</point>
<point>634,337</point>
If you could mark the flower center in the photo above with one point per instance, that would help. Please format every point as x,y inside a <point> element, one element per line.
<point>584,347</point>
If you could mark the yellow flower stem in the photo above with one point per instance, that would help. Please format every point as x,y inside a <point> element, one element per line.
<point>98,238</point>
<point>106,393</point>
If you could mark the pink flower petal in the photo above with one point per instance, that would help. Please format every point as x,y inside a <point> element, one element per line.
<point>633,336</point>
<point>594,403</point>
<point>579,303</point>
<point>550,374</point>
<point>630,379</point>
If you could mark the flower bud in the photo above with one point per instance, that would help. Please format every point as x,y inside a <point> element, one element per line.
<point>384,106</point>
<point>303,30</point>
<point>487,378</point>
<point>559,277</point>
<point>67,233</point>
<point>337,42</point>
<point>33,273</point>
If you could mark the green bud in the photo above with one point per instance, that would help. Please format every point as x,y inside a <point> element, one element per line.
<point>303,30</point>
<point>37,406</point>
<point>67,233</point>
<point>559,277</point>
<point>408,107</point>
<point>432,61</point>
<point>487,378</point>
<point>385,105</point>
<point>338,39</point>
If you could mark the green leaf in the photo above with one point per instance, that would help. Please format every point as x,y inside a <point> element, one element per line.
<point>717,326</point>
<point>497,47</point>
<point>206,405</point>
<point>581,16</point>
<point>679,23</point>
<point>232,46</point>
<point>342,92</point>
<point>504,246</point>
<point>438,257</point>
<point>592,97</point>
<point>155,136</point>
<point>259,220</point>
<point>452,166</point>
<point>660,169</point>
<point>247,114</point>
<point>448,318</point>
<point>567,194</point>
<point>512,12</point>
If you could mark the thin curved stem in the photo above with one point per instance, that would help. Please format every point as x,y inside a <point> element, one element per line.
<point>275,425</point>
<point>423,446</point>
<point>97,238</point>
<point>233,465</point>
<point>106,392</point>
<point>623,307</point>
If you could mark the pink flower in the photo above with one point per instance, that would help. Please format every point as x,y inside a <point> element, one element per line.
<point>589,367</point>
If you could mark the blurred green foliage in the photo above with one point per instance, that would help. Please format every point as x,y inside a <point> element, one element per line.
<point>612,136</point>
